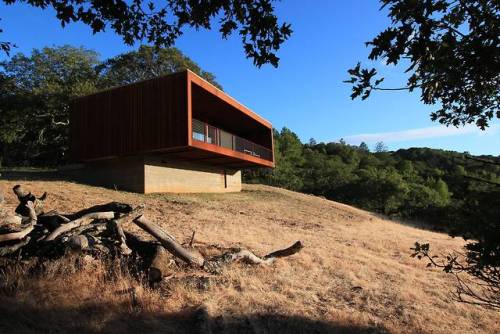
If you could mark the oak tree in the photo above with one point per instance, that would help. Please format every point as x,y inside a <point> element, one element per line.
<point>145,20</point>
<point>451,50</point>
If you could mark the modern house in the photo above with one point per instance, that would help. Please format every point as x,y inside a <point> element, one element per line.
<point>175,133</point>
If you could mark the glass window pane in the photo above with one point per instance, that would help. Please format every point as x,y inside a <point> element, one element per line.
<point>226,139</point>
<point>198,130</point>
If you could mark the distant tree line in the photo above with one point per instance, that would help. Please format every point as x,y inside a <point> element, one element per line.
<point>35,91</point>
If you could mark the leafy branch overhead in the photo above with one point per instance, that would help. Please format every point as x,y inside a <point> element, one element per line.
<point>139,20</point>
<point>452,49</point>
<point>482,284</point>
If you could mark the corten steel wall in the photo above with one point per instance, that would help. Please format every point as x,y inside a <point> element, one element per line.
<point>142,117</point>
<point>220,109</point>
<point>155,117</point>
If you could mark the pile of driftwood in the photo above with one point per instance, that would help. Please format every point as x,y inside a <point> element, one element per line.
<point>99,230</point>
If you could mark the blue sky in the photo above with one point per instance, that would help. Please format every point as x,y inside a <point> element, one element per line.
<point>305,93</point>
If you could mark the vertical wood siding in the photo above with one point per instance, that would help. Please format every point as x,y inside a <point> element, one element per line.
<point>146,116</point>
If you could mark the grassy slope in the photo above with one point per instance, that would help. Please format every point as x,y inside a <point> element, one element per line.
<point>354,276</point>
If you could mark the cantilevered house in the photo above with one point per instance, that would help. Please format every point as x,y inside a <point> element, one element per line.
<point>175,133</point>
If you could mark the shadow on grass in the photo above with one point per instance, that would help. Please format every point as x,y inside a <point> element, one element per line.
<point>102,318</point>
<point>32,175</point>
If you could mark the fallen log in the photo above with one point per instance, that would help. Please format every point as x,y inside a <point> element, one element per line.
<point>84,220</point>
<point>295,248</point>
<point>215,264</point>
<point>169,242</point>
<point>160,265</point>
<point>19,192</point>
<point>245,254</point>
<point>6,250</point>
<point>79,242</point>
<point>52,220</point>
<point>32,217</point>
<point>11,220</point>
<point>101,225</point>
<point>111,206</point>
<point>118,231</point>
<point>95,227</point>
<point>22,230</point>
<point>25,197</point>
<point>16,235</point>
<point>101,233</point>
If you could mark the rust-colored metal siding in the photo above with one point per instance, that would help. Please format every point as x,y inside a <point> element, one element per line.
<point>155,116</point>
<point>143,117</point>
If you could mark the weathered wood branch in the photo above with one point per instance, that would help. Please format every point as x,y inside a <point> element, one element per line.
<point>22,230</point>
<point>16,235</point>
<point>79,242</point>
<point>98,232</point>
<point>126,218</point>
<point>25,197</point>
<point>295,248</point>
<point>169,242</point>
<point>112,206</point>
<point>95,227</point>
<point>118,231</point>
<point>52,220</point>
<point>248,256</point>
<point>11,220</point>
<point>32,217</point>
<point>19,192</point>
<point>84,220</point>
<point>192,239</point>
<point>216,263</point>
<point>54,213</point>
<point>6,250</point>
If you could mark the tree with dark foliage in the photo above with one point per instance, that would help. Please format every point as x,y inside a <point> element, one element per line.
<point>453,51</point>
<point>478,221</point>
<point>147,63</point>
<point>143,20</point>
<point>35,91</point>
<point>452,48</point>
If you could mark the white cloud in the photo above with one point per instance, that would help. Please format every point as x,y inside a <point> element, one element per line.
<point>420,133</point>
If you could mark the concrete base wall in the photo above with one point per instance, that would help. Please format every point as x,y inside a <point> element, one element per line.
<point>156,175</point>
<point>120,174</point>
<point>181,177</point>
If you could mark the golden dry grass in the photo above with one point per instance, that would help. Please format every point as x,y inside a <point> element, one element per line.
<point>353,276</point>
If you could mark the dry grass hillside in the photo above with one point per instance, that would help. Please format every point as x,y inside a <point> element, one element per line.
<point>353,276</point>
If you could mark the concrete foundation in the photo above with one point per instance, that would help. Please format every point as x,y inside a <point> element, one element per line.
<point>156,175</point>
